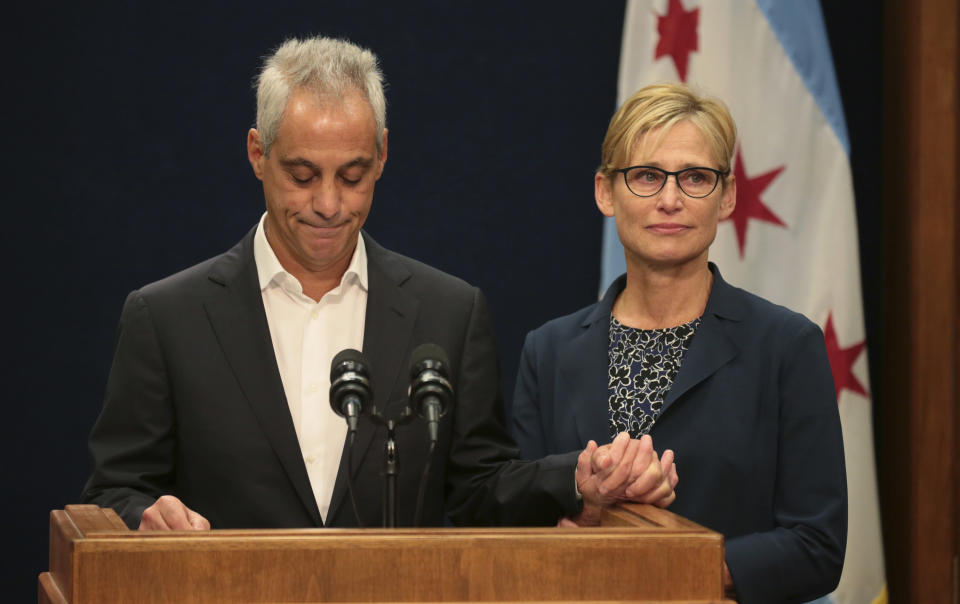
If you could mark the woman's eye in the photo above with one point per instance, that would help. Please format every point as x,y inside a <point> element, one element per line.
<point>646,176</point>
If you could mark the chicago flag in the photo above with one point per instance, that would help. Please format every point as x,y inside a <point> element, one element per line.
<point>793,235</point>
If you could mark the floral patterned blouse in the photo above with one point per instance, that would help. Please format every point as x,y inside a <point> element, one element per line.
<point>643,365</point>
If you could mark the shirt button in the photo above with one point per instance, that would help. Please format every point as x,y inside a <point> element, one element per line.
<point>311,459</point>
<point>313,387</point>
<point>315,315</point>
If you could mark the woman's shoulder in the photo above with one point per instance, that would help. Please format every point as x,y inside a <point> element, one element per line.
<point>758,314</point>
<point>567,326</point>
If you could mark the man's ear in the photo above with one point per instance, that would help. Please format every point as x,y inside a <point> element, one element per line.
<point>382,160</point>
<point>603,193</point>
<point>255,152</point>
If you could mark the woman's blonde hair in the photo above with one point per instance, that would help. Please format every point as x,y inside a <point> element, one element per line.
<point>663,106</point>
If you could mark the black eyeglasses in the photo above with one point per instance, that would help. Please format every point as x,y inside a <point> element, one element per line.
<point>697,182</point>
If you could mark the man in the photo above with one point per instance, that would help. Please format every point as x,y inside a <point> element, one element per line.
<point>216,412</point>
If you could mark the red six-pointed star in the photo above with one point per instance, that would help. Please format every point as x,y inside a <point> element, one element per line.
<point>842,360</point>
<point>678,35</point>
<point>749,205</point>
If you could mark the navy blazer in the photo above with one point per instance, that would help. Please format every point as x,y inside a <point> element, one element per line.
<point>195,407</point>
<point>752,418</point>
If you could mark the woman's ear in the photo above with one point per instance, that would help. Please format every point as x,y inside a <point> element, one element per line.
<point>603,193</point>
<point>729,200</point>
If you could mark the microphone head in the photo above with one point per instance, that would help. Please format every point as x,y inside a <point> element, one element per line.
<point>429,378</point>
<point>349,378</point>
<point>428,356</point>
<point>347,360</point>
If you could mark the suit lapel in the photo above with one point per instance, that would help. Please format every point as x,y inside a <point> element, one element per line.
<point>583,373</point>
<point>388,329</point>
<point>235,309</point>
<point>711,348</point>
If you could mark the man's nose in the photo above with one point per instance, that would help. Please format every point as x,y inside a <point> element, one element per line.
<point>326,199</point>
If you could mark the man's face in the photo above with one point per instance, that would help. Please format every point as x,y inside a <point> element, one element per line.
<point>318,180</point>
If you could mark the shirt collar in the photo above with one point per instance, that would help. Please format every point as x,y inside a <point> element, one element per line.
<point>270,271</point>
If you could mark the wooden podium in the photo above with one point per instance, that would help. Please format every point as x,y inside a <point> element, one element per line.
<point>640,554</point>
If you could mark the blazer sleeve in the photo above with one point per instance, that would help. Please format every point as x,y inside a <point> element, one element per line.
<point>133,442</point>
<point>525,423</point>
<point>487,484</point>
<point>802,557</point>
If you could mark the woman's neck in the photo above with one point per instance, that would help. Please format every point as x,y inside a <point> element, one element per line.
<point>660,298</point>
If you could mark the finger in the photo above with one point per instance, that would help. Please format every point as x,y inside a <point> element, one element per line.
<point>601,459</point>
<point>584,465</point>
<point>617,478</point>
<point>659,492</point>
<point>670,468</point>
<point>619,446</point>
<point>152,520</point>
<point>174,513</point>
<point>644,456</point>
<point>608,456</point>
<point>666,501</point>
<point>651,478</point>
<point>567,523</point>
<point>197,522</point>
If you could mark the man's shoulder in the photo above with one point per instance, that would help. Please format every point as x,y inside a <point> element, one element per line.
<point>217,270</point>
<point>411,273</point>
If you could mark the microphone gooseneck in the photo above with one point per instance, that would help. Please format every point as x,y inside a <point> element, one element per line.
<point>350,396</point>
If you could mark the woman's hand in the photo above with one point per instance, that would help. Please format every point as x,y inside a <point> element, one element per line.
<point>625,470</point>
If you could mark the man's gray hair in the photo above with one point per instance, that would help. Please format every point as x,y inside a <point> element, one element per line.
<point>323,65</point>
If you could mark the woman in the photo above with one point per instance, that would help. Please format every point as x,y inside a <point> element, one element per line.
<point>739,388</point>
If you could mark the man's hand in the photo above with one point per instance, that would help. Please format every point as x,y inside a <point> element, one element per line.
<point>170,514</point>
<point>625,470</point>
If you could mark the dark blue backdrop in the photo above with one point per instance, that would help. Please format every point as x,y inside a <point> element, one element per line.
<point>127,162</point>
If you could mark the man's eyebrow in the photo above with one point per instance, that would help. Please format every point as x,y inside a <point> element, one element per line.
<point>298,161</point>
<point>362,162</point>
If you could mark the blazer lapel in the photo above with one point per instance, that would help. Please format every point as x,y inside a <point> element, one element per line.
<point>388,329</point>
<point>235,309</point>
<point>711,348</point>
<point>583,373</point>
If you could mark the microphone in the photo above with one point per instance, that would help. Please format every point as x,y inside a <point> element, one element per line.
<point>430,390</point>
<point>350,390</point>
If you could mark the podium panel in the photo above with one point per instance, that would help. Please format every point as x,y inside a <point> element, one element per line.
<point>640,553</point>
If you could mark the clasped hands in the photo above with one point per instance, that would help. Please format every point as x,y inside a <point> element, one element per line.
<point>627,469</point>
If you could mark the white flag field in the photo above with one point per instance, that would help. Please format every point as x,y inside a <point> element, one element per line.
<point>793,235</point>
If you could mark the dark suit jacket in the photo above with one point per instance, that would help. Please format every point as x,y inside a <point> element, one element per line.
<point>195,407</point>
<point>752,418</point>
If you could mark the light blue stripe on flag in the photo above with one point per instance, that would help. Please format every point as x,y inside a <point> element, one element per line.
<point>613,264</point>
<point>798,24</point>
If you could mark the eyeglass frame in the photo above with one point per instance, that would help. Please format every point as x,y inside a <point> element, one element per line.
<point>676,177</point>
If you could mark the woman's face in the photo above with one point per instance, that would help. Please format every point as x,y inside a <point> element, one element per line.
<point>669,228</point>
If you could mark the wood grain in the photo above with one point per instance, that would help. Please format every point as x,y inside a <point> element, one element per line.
<point>918,438</point>
<point>663,559</point>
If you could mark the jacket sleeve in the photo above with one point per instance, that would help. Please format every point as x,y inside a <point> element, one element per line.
<point>802,557</point>
<point>487,484</point>
<point>525,423</point>
<point>133,443</point>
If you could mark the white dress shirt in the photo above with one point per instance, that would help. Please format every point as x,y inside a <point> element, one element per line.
<point>306,336</point>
